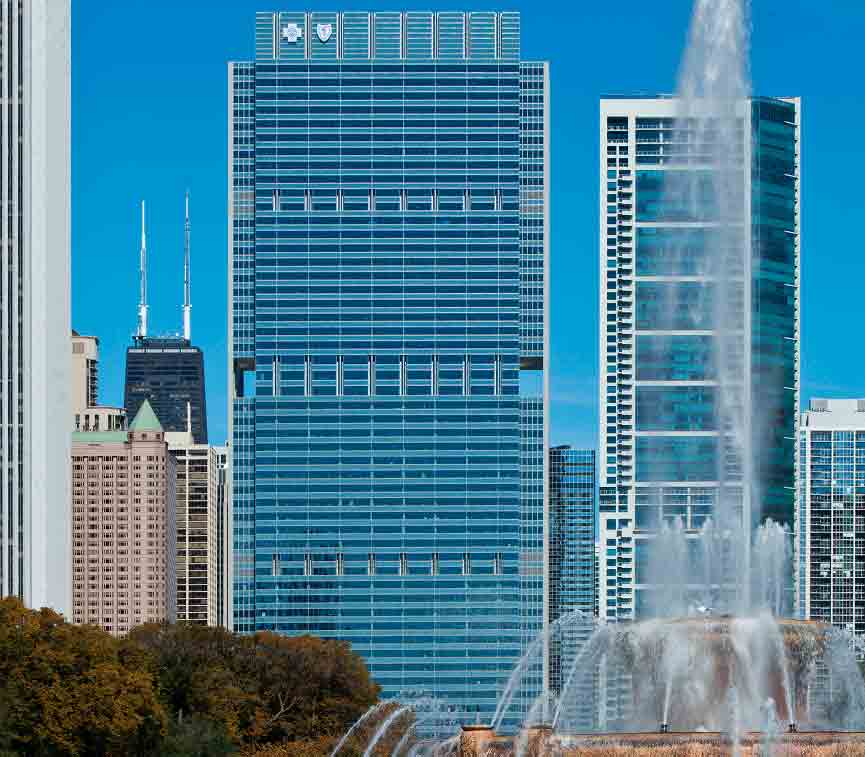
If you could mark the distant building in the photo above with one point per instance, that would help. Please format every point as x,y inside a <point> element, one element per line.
<point>87,413</point>
<point>572,495</point>
<point>123,530</point>
<point>168,371</point>
<point>197,518</point>
<point>223,537</point>
<point>34,328</point>
<point>830,543</point>
<point>85,371</point>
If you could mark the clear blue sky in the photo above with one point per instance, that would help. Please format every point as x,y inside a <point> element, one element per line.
<point>149,121</point>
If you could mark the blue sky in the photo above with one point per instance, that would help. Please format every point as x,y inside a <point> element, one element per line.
<point>149,121</point>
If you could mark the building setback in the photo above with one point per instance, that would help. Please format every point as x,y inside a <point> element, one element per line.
<point>830,543</point>
<point>169,373</point>
<point>197,497</point>
<point>664,456</point>
<point>123,529</point>
<point>388,217</point>
<point>34,302</point>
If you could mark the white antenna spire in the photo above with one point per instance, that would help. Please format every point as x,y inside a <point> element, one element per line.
<point>142,303</point>
<point>187,297</point>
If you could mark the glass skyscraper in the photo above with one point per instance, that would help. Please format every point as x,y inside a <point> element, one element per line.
<point>388,216</point>
<point>169,373</point>
<point>572,565</point>
<point>662,452</point>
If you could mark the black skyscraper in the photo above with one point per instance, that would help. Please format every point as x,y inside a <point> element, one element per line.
<point>168,371</point>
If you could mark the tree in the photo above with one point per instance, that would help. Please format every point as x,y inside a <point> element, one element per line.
<point>65,690</point>
<point>261,689</point>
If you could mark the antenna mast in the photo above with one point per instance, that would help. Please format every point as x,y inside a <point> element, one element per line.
<point>187,297</point>
<point>142,302</point>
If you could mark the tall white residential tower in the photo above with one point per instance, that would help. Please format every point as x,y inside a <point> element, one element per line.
<point>35,536</point>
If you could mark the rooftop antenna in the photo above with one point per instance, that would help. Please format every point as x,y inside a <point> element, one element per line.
<point>142,303</point>
<point>187,299</point>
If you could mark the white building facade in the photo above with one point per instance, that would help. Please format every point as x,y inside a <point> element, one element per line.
<point>830,544</point>
<point>35,488</point>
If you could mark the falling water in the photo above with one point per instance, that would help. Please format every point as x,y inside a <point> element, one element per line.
<point>584,661</point>
<point>770,727</point>
<point>515,678</point>
<point>384,728</point>
<point>375,709</point>
<point>734,728</point>
<point>708,141</point>
<point>568,622</point>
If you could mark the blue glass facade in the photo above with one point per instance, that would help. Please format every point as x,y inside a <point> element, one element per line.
<point>573,489</point>
<point>388,220</point>
<point>670,379</point>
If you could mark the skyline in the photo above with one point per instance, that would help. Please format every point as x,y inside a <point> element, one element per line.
<point>160,164</point>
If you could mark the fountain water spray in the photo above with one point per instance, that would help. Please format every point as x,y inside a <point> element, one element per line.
<point>716,654</point>
<point>375,709</point>
<point>384,728</point>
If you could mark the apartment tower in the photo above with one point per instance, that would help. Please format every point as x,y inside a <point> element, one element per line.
<point>123,530</point>
<point>662,452</point>
<point>87,413</point>
<point>830,541</point>
<point>197,519</point>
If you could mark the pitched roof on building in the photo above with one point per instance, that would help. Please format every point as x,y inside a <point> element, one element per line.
<point>145,419</point>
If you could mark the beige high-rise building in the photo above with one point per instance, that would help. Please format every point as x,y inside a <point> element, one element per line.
<point>87,413</point>
<point>123,526</point>
<point>197,468</point>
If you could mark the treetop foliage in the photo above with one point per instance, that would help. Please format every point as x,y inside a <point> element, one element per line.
<point>169,689</point>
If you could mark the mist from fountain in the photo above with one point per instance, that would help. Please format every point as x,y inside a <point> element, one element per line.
<point>715,653</point>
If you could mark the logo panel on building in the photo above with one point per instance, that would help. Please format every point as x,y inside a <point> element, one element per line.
<point>324,31</point>
<point>292,32</point>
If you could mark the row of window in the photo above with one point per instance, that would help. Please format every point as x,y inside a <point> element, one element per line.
<point>434,564</point>
<point>392,200</point>
<point>389,376</point>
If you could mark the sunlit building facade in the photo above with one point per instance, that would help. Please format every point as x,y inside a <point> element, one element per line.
<point>197,496</point>
<point>388,218</point>
<point>123,526</point>
<point>35,406</point>
<point>831,514</point>
<point>662,454</point>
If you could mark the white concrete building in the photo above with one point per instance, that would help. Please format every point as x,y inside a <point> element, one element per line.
<point>830,541</point>
<point>35,531</point>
